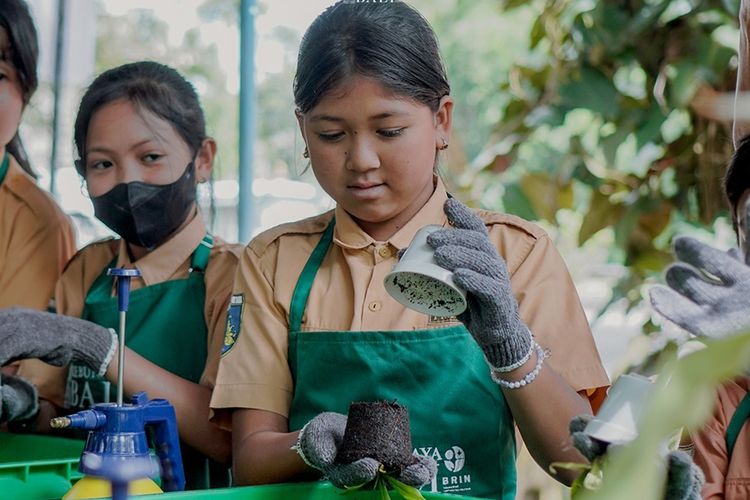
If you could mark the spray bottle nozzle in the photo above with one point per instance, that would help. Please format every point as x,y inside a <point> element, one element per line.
<point>87,419</point>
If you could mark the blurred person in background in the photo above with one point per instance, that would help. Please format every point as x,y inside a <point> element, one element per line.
<point>37,238</point>
<point>708,295</point>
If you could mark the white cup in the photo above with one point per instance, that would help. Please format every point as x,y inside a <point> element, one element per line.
<point>618,418</point>
<point>417,282</point>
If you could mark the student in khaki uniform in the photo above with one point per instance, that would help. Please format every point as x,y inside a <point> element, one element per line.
<point>719,307</point>
<point>311,327</point>
<point>140,135</point>
<point>715,308</point>
<point>38,239</point>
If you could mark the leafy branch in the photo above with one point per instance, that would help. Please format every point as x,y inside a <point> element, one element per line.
<point>603,121</point>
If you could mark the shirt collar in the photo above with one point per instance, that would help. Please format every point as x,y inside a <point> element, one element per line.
<point>15,174</point>
<point>166,260</point>
<point>348,234</point>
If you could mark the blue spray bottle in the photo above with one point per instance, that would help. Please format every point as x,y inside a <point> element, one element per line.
<point>116,456</point>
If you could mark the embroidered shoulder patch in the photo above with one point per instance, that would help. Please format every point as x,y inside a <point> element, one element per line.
<point>234,319</point>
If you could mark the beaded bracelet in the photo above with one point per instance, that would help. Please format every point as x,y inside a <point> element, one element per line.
<point>529,377</point>
<point>520,362</point>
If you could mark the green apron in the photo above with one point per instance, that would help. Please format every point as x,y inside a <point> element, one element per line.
<point>165,324</point>
<point>739,418</point>
<point>458,414</point>
<point>4,165</point>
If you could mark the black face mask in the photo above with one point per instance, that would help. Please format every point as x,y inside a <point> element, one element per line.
<point>147,214</point>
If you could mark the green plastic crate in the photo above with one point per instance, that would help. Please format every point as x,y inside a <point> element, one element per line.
<point>290,491</point>
<point>34,467</point>
<point>37,467</point>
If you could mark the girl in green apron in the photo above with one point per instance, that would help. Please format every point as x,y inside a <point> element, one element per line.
<point>374,109</point>
<point>140,135</point>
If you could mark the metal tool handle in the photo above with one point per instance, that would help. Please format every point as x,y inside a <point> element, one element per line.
<point>123,277</point>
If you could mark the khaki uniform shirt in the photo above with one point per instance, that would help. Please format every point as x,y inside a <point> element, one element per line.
<point>169,261</point>
<point>725,477</point>
<point>36,241</point>
<point>348,294</point>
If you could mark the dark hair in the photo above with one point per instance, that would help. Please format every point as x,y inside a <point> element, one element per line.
<point>150,86</point>
<point>16,20</point>
<point>737,179</point>
<point>387,41</point>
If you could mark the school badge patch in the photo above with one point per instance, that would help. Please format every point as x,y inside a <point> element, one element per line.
<point>234,319</point>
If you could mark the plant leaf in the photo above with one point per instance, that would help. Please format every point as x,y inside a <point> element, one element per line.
<point>406,491</point>
<point>382,489</point>
<point>684,396</point>
<point>554,466</point>
<point>592,90</point>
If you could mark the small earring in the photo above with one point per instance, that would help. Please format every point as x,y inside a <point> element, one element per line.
<point>306,153</point>
<point>445,145</point>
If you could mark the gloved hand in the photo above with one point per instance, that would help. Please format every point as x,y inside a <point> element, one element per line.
<point>709,291</point>
<point>54,338</point>
<point>319,442</point>
<point>684,478</point>
<point>491,315</point>
<point>18,399</point>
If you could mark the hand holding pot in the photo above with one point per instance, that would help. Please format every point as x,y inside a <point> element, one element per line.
<point>319,443</point>
<point>491,315</point>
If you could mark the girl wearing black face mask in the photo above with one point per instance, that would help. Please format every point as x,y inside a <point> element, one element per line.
<point>140,135</point>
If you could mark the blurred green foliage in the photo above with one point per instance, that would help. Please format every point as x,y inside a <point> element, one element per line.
<point>599,121</point>
<point>683,398</point>
<point>140,35</point>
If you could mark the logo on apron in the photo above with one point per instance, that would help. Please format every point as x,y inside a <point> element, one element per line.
<point>451,476</point>
<point>85,388</point>
<point>234,319</point>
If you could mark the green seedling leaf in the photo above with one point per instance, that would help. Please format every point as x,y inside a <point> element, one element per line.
<point>406,491</point>
<point>553,467</point>
<point>593,479</point>
<point>577,486</point>
<point>348,490</point>
<point>383,490</point>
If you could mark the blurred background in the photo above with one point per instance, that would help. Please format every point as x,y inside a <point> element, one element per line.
<point>603,121</point>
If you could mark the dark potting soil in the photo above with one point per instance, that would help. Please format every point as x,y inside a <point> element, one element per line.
<point>379,430</point>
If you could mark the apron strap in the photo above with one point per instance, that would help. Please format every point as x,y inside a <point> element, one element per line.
<point>739,418</point>
<point>199,262</point>
<point>306,278</point>
<point>4,166</point>
<point>102,286</point>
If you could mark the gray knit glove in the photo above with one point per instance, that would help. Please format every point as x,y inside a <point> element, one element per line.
<point>684,478</point>
<point>709,291</point>
<point>18,399</point>
<point>54,339</point>
<point>492,314</point>
<point>318,445</point>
